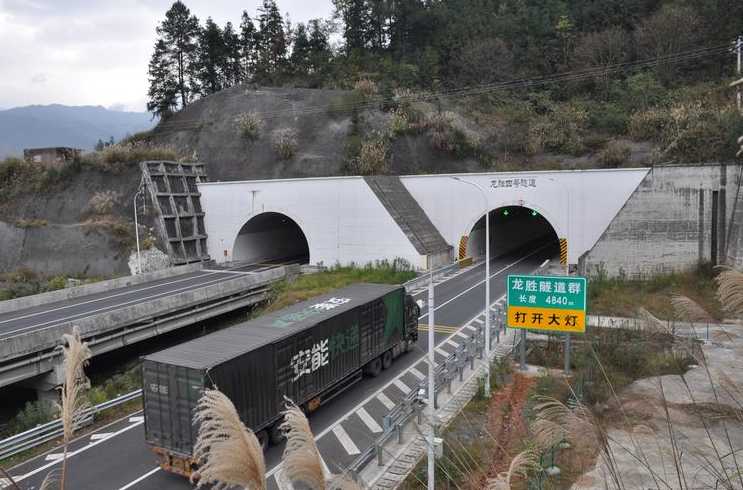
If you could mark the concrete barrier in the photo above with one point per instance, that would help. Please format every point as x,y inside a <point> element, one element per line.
<point>94,288</point>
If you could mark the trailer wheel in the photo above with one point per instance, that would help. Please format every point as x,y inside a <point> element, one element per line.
<point>406,346</point>
<point>387,359</point>
<point>374,367</point>
<point>276,435</point>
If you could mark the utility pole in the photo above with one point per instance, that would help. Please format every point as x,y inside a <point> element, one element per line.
<point>431,388</point>
<point>136,227</point>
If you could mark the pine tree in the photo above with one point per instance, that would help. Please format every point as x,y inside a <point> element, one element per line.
<point>179,32</point>
<point>232,67</point>
<point>320,53</point>
<point>162,94</point>
<point>355,16</point>
<point>272,43</point>
<point>248,42</point>
<point>300,58</point>
<point>211,56</point>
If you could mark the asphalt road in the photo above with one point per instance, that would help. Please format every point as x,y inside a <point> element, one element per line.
<point>116,457</point>
<point>49,315</point>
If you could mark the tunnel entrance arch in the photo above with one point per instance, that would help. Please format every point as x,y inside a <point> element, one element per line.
<point>271,237</point>
<point>513,229</point>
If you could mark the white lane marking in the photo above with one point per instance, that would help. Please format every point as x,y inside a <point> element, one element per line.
<point>4,482</point>
<point>453,344</point>
<point>442,352</point>
<point>231,272</point>
<point>388,404</point>
<point>100,435</point>
<point>54,457</point>
<point>146,475</point>
<point>479,320</point>
<point>417,373</point>
<point>123,293</point>
<point>137,419</point>
<point>59,321</point>
<point>403,387</point>
<point>498,272</point>
<point>464,336</point>
<point>470,327</point>
<point>77,451</point>
<point>378,395</point>
<point>368,420</point>
<point>345,440</point>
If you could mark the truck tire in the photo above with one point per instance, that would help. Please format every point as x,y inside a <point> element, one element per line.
<point>275,434</point>
<point>407,345</point>
<point>374,367</point>
<point>387,359</point>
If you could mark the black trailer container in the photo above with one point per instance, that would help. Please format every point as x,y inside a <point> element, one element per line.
<point>308,352</point>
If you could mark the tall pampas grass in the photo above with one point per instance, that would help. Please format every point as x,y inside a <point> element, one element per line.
<point>730,290</point>
<point>688,309</point>
<point>228,453</point>
<point>520,466</point>
<point>302,463</point>
<point>74,404</point>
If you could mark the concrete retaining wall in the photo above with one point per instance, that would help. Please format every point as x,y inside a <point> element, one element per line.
<point>97,287</point>
<point>666,225</point>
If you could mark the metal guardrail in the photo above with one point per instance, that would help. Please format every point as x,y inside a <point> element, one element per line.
<point>51,430</point>
<point>413,403</point>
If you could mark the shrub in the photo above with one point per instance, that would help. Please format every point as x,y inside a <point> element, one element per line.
<point>367,88</point>
<point>33,414</point>
<point>114,158</point>
<point>609,118</point>
<point>448,133</point>
<point>561,130</point>
<point>649,124</point>
<point>249,124</point>
<point>103,202</point>
<point>372,157</point>
<point>284,142</point>
<point>614,155</point>
<point>398,123</point>
<point>56,282</point>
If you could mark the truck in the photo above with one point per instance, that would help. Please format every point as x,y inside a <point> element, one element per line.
<point>309,352</point>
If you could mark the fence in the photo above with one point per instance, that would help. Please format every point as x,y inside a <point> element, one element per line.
<point>51,430</point>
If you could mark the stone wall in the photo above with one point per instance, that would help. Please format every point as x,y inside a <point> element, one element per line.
<point>667,224</point>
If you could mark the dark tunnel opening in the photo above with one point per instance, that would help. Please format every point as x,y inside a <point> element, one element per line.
<point>271,237</point>
<point>512,229</point>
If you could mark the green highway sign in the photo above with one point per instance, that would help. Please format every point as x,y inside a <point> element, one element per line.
<point>552,303</point>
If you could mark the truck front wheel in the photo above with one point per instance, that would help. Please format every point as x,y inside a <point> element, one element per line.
<point>374,367</point>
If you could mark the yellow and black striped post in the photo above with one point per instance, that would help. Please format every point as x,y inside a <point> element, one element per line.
<point>563,251</point>
<point>463,247</point>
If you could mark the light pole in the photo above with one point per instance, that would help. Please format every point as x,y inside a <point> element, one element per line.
<point>487,281</point>
<point>431,387</point>
<point>136,229</point>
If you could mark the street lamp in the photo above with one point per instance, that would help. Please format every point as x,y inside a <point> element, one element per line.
<point>487,281</point>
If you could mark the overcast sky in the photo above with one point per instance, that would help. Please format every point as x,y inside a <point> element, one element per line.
<point>95,52</point>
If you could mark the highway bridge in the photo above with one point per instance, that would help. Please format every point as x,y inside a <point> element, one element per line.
<point>116,457</point>
<point>114,313</point>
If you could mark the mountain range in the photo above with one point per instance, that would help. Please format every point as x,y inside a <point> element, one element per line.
<point>39,126</point>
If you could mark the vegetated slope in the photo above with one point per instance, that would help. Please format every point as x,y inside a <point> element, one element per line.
<point>58,125</point>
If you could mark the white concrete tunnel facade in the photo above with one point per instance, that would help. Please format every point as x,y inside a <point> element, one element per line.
<point>344,222</point>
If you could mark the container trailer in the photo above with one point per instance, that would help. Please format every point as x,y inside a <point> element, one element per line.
<point>308,352</point>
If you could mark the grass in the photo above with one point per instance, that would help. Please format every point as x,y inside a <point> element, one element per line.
<point>307,286</point>
<point>622,297</point>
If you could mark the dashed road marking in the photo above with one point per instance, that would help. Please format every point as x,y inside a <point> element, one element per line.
<point>368,420</point>
<point>441,351</point>
<point>470,327</point>
<point>388,404</point>
<point>136,419</point>
<point>479,320</point>
<point>100,435</point>
<point>452,343</point>
<point>54,457</point>
<point>403,387</point>
<point>464,336</point>
<point>417,373</point>
<point>345,440</point>
<point>146,475</point>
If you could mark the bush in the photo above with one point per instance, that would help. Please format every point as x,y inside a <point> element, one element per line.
<point>56,282</point>
<point>649,124</point>
<point>398,123</point>
<point>284,142</point>
<point>249,124</point>
<point>103,202</point>
<point>114,158</point>
<point>367,88</point>
<point>31,223</point>
<point>33,414</point>
<point>614,155</point>
<point>609,118</point>
<point>448,133</point>
<point>561,130</point>
<point>372,157</point>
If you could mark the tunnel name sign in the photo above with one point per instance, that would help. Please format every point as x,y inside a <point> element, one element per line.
<point>551,303</point>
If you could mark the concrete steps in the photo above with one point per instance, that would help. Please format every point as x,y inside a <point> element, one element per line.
<point>408,214</point>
